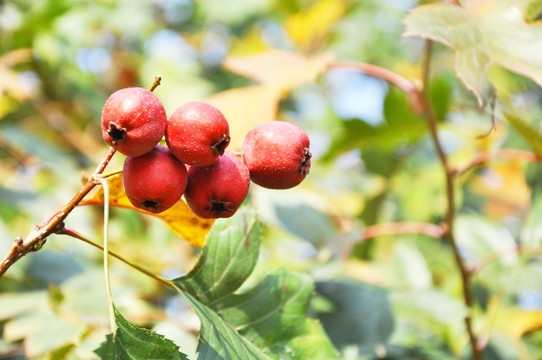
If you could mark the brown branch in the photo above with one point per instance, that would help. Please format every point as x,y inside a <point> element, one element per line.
<point>484,157</point>
<point>520,250</point>
<point>428,229</point>
<point>395,79</point>
<point>450,195</point>
<point>55,223</point>
<point>37,237</point>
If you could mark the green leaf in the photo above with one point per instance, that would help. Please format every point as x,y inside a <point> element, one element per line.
<point>483,32</point>
<point>267,321</point>
<point>106,351</point>
<point>431,305</point>
<point>361,315</point>
<point>531,133</point>
<point>531,234</point>
<point>441,94</point>
<point>402,127</point>
<point>478,237</point>
<point>217,338</point>
<point>133,342</point>
<point>228,258</point>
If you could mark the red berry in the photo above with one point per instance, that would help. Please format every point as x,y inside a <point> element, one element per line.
<point>197,133</point>
<point>277,154</point>
<point>133,121</point>
<point>154,181</point>
<point>217,190</point>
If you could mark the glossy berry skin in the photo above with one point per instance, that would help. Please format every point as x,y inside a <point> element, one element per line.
<point>154,181</point>
<point>197,133</point>
<point>217,190</point>
<point>133,121</point>
<point>277,154</point>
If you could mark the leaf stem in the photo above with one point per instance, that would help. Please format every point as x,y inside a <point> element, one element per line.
<point>428,229</point>
<point>450,195</point>
<point>520,250</point>
<point>76,235</point>
<point>484,157</point>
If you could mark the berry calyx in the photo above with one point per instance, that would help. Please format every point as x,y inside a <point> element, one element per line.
<point>277,154</point>
<point>217,190</point>
<point>154,181</point>
<point>197,133</point>
<point>133,121</point>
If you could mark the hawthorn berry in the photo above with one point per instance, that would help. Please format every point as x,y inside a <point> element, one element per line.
<point>154,181</point>
<point>197,133</point>
<point>133,121</point>
<point>217,190</point>
<point>277,154</point>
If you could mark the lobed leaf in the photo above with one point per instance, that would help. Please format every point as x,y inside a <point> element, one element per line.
<point>133,342</point>
<point>179,218</point>
<point>360,315</point>
<point>267,321</point>
<point>483,32</point>
<point>277,72</point>
<point>279,68</point>
<point>227,260</point>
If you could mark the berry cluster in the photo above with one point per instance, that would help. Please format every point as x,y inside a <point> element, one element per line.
<point>214,181</point>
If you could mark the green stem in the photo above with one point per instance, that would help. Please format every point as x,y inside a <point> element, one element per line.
<point>111,173</point>
<point>76,235</point>
<point>105,186</point>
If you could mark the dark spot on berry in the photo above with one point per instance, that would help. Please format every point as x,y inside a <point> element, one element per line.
<point>115,133</point>
<point>304,167</point>
<point>219,207</point>
<point>220,147</point>
<point>150,204</point>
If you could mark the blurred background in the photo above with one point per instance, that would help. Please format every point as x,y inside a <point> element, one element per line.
<point>373,163</point>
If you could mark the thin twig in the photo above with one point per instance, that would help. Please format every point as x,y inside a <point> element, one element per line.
<point>484,157</point>
<point>520,250</point>
<point>428,229</point>
<point>450,195</point>
<point>393,78</point>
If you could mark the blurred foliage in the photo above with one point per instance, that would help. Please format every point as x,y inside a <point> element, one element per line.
<point>394,297</point>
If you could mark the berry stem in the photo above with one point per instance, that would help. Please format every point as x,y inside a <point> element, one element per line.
<point>156,83</point>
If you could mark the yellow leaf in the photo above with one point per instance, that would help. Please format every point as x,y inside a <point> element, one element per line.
<point>512,320</point>
<point>505,183</point>
<point>278,72</point>
<point>245,108</point>
<point>311,26</point>
<point>179,218</point>
<point>252,42</point>
<point>278,68</point>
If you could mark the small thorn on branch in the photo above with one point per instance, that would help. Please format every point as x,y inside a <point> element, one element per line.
<point>19,241</point>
